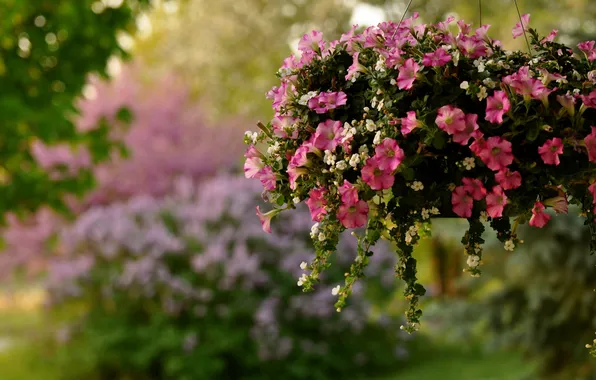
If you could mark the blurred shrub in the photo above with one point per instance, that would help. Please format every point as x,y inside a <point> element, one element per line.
<point>166,137</point>
<point>547,305</point>
<point>191,288</point>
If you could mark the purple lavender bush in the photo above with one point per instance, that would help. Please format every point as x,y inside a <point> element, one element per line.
<point>188,287</point>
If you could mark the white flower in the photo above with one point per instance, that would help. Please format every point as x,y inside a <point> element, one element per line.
<point>381,105</point>
<point>509,245</point>
<point>370,125</point>
<point>329,158</point>
<point>425,213</point>
<point>408,238</point>
<point>483,216</point>
<point>373,102</point>
<point>417,186</point>
<point>322,236</point>
<point>473,261</point>
<point>314,230</point>
<point>252,136</point>
<point>413,230</point>
<point>455,57</point>
<point>464,85</point>
<point>377,139</point>
<point>366,109</point>
<point>393,82</point>
<point>489,83</point>
<point>296,200</point>
<point>341,165</point>
<point>469,163</point>
<point>380,65</point>
<point>273,148</point>
<point>335,291</point>
<point>306,97</point>
<point>435,211</point>
<point>303,265</point>
<point>482,93</point>
<point>302,280</point>
<point>354,160</point>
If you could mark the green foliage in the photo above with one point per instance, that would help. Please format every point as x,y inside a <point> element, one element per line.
<point>47,51</point>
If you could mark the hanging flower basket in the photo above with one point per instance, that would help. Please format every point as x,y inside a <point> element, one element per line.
<point>389,128</point>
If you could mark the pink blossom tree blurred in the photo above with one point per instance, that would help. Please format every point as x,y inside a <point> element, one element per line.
<point>167,138</point>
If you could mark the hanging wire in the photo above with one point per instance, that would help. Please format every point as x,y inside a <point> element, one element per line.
<point>521,22</point>
<point>402,19</point>
<point>480,11</point>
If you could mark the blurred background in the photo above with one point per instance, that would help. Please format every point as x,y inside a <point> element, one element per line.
<point>130,245</point>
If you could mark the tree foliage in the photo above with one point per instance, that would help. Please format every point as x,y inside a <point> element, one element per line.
<point>48,48</point>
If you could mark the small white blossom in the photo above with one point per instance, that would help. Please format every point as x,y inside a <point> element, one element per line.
<point>373,102</point>
<point>314,230</point>
<point>417,186</point>
<point>483,216</point>
<point>306,97</point>
<point>456,56</point>
<point>473,261</point>
<point>381,105</point>
<point>380,65</point>
<point>354,160</point>
<point>488,82</point>
<point>366,109</point>
<point>408,238</point>
<point>335,290</point>
<point>341,165</point>
<point>479,63</point>
<point>435,211</point>
<point>425,213</point>
<point>329,158</point>
<point>393,82</point>
<point>482,93</point>
<point>413,230</point>
<point>303,265</point>
<point>377,139</point>
<point>296,200</point>
<point>252,136</point>
<point>469,163</point>
<point>322,236</point>
<point>273,148</point>
<point>370,125</point>
<point>302,280</point>
<point>509,245</point>
<point>464,85</point>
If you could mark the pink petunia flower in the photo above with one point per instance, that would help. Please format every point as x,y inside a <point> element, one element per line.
<point>587,47</point>
<point>252,152</point>
<point>472,47</point>
<point>348,193</point>
<point>409,123</point>
<point>375,177</point>
<point>589,100</point>
<point>328,135</point>
<point>437,58</point>
<point>590,142</point>
<point>539,217</point>
<point>474,187</point>
<point>252,166</point>
<point>462,202</point>
<point>567,101</point>
<point>508,179</point>
<point>551,36</point>
<point>482,32</point>
<point>300,157</point>
<point>353,215</point>
<point>312,42</point>
<point>293,174</point>
<point>451,119</point>
<point>355,69</point>
<point>326,101</point>
<point>495,202</point>
<point>267,178</point>
<point>550,150</point>
<point>558,203</point>
<point>497,105</point>
<point>519,28</point>
<point>497,154</point>
<point>407,74</point>
<point>281,124</point>
<point>316,203</point>
<point>389,154</point>
<point>463,137</point>
<point>265,218</point>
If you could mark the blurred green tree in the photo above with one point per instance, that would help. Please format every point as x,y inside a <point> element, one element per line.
<point>48,49</point>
